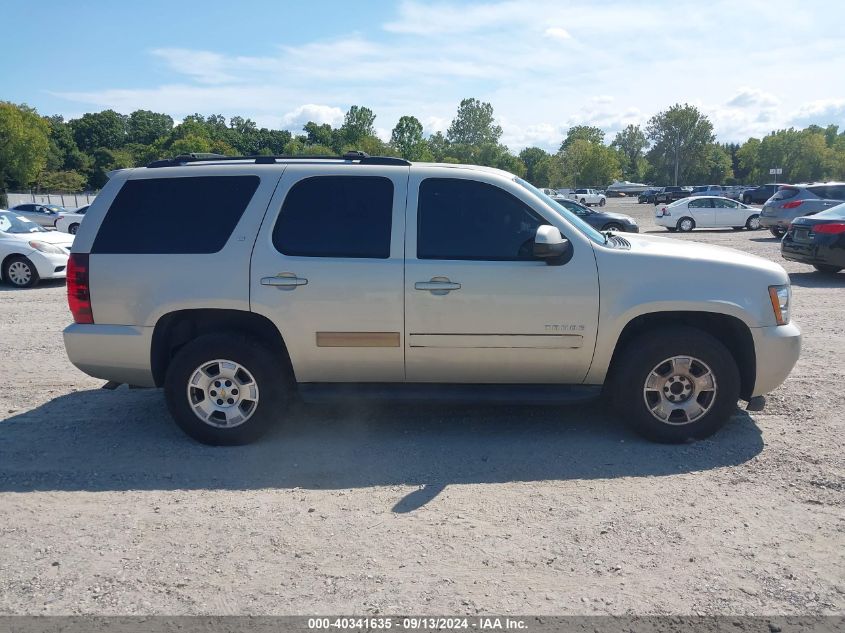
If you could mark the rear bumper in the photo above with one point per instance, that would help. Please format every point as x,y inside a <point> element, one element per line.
<point>112,352</point>
<point>777,349</point>
<point>812,253</point>
<point>768,222</point>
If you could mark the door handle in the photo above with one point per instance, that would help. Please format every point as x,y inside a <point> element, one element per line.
<point>438,285</point>
<point>284,281</point>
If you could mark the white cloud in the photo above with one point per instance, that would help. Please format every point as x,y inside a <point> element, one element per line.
<point>821,112</point>
<point>557,33</point>
<point>296,118</point>
<point>752,97</point>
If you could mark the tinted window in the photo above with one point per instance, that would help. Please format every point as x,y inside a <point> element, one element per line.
<point>785,194</point>
<point>834,213</point>
<point>336,216</point>
<point>465,219</point>
<point>703,203</point>
<point>174,215</point>
<point>724,203</point>
<point>836,192</point>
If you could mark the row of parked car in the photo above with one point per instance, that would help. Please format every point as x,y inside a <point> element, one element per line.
<point>47,215</point>
<point>740,193</point>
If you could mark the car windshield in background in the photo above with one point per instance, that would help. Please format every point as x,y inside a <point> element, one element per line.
<point>834,213</point>
<point>573,219</point>
<point>11,223</point>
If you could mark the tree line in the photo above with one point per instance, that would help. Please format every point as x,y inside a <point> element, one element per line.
<point>676,146</point>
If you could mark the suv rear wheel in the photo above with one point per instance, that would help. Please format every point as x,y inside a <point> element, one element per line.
<point>225,389</point>
<point>676,385</point>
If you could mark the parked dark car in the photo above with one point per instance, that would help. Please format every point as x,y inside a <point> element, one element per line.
<point>670,194</point>
<point>760,194</point>
<point>818,240</point>
<point>647,196</point>
<point>601,219</point>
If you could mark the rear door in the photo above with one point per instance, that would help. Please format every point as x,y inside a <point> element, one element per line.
<point>327,269</point>
<point>701,210</point>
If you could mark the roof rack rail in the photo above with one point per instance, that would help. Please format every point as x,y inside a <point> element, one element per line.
<point>360,157</point>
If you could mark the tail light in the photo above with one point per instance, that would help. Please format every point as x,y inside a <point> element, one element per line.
<point>793,204</point>
<point>833,228</point>
<point>78,292</point>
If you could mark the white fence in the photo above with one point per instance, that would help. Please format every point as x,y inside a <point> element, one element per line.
<point>69,200</point>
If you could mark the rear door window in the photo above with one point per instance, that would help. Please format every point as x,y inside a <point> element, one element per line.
<point>336,216</point>
<point>164,216</point>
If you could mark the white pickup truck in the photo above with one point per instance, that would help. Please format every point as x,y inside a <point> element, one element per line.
<point>589,197</point>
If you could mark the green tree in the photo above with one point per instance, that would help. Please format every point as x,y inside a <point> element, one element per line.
<point>474,124</point>
<point>69,181</point>
<point>589,164</point>
<point>439,147</point>
<point>584,133</point>
<point>24,143</point>
<point>681,137</point>
<point>357,123</point>
<point>407,139</point>
<point>719,165</point>
<point>531,157</point>
<point>317,134</point>
<point>99,129</point>
<point>631,143</point>
<point>106,160</point>
<point>145,127</point>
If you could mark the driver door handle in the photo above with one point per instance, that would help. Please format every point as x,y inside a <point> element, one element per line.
<point>284,281</point>
<point>438,285</point>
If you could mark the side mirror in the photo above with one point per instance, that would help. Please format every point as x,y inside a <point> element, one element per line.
<point>551,246</point>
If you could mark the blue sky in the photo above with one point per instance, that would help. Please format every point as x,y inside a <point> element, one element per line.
<point>751,65</point>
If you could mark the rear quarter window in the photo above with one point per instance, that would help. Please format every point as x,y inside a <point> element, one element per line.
<point>185,215</point>
<point>785,194</point>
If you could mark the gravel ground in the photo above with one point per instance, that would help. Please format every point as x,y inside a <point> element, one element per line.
<point>106,508</point>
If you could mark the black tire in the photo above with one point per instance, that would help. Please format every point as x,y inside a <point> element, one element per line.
<point>584,202</point>
<point>19,261</point>
<point>73,228</point>
<point>682,224</point>
<point>753,223</point>
<point>737,228</point>
<point>777,232</point>
<point>827,269</point>
<point>602,202</point>
<point>270,375</point>
<point>612,226</point>
<point>646,353</point>
<point>672,229</point>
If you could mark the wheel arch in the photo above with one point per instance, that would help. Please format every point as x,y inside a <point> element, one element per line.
<point>12,256</point>
<point>174,329</point>
<point>730,330</point>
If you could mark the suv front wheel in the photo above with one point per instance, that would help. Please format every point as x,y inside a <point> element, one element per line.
<point>225,389</point>
<point>676,385</point>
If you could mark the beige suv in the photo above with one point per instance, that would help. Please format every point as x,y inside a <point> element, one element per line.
<point>238,284</point>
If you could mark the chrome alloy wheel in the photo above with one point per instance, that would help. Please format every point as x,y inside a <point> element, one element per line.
<point>754,223</point>
<point>222,393</point>
<point>680,390</point>
<point>20,273</point>
<point>686,225</point>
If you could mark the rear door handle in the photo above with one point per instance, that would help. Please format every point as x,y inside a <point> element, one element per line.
<point>284,281</point>
<point>438,285</point>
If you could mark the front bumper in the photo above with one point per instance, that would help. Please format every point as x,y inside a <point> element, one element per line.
<point>49,265</point>
<point>777,349</point>
<point>120,353</point>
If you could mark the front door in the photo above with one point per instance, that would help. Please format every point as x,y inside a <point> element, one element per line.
<point>327,270</point>
<point>479,308</point>
<point>728,212</point>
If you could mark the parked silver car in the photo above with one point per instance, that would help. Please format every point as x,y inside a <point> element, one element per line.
<point>795,201</point>
<point>43,214</point>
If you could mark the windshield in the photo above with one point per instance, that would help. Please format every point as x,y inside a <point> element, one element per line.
<point>573,219</point>
<point>11,223</point>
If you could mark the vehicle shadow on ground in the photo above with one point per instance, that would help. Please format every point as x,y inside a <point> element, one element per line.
<point>100,440</point>
<point>41,285</point>
<point>771,239</point>
<point>813,279</point>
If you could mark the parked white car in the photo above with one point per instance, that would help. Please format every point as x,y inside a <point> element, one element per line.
<point>29,252</point>
<point>709,212</point>
<point>69,222</point>
<point>589,197</point>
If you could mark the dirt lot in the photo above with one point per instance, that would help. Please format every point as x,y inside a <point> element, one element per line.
<point>106,508</point>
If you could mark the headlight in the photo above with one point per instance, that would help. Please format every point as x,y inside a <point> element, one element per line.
<point>44,247</point>
<point>780,302</point>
